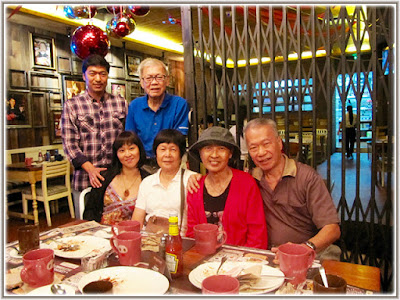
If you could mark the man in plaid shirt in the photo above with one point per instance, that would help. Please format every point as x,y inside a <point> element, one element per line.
<point>90,123</point>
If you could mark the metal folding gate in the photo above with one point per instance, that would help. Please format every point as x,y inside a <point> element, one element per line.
<point>283,62</point>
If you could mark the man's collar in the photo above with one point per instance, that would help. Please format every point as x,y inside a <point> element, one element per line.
<point>289,169</point>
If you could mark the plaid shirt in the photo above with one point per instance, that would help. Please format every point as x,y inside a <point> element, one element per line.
<point>88,130</point>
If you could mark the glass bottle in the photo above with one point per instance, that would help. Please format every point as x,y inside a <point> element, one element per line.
<point>40,156</point>
<point>173,248</point>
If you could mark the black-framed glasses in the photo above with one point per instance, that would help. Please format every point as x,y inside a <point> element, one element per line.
<point>158,78</point>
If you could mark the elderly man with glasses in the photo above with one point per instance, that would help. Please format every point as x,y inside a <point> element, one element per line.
<point>157,110</point>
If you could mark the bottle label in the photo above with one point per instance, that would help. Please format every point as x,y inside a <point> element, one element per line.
<point>174,230</point>
<point>172,262</point>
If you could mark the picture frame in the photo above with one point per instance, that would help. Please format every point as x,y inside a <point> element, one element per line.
<point>18,79</point>
<point>116,72</point>
<point>44,81</point>
<point>43,51</point>
<point>72,86</point>
<point>64,65</point>
<point>55,100</point>
<point>132,65</point>
<point>18,109</point>
<point>118,87</point>
<point>76,65</point>
<point>55,126</point>
<point>39,109</point>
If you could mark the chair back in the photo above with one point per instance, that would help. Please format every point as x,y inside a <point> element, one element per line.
<point>82,201</point>
<point>56,169</point>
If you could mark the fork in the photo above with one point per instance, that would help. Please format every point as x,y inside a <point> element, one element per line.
<point>222,262</point>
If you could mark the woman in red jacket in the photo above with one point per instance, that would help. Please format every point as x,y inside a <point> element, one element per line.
<point>227,197</point>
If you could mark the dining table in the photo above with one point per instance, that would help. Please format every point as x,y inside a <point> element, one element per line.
<point>20,172</point>
<point>361,279</point>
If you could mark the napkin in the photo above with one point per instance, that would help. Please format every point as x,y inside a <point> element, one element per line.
<point>249,277</point>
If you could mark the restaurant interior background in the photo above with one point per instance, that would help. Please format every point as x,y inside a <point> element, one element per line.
<point>296,64</point>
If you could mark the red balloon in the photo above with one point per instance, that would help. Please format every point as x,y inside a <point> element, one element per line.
<point>121,25</point>
<point>139,11</point>
<point>88,40</point>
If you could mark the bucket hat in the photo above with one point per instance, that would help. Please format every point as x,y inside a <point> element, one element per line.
<point>215,136</point>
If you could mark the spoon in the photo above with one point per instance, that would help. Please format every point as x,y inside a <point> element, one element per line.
<point>57,289</point>
<point>222,262</point>
<point>323,276</point>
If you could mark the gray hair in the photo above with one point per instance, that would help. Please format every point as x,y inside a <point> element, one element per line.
<point>261,122</point>
<point>149,62</point>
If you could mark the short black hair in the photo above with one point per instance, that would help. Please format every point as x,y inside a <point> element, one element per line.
<point>127,138</point>
<point>170,136</point>
<point>95,60</point>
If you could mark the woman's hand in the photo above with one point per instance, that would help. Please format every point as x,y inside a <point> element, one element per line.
<point>193,183</point>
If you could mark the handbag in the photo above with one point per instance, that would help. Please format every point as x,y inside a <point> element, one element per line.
<point>160,225</point>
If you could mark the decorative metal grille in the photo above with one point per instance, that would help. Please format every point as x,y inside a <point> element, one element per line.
<point>296,54</point>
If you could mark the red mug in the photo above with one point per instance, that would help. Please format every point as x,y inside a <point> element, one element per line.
<point>125,226</point>
<point>220,284</point>
<point>206,236</point>
<point>128,247</point>
<point>38,267</point>
<point>294,261</point>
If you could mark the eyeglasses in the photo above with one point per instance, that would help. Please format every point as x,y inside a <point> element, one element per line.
<point>158,78</point>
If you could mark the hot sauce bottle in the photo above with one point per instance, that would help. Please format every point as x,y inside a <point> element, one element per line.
<point>173,248</point>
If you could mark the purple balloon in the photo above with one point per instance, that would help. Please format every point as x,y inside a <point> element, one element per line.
<point>88,40</point>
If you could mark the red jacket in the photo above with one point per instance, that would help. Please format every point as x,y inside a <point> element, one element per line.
<point>243,218</point>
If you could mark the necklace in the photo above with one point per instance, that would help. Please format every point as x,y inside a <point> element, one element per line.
<point>126,193</point>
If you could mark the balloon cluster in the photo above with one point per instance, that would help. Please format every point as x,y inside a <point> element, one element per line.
<point>90,39</point>
<point>121,25</point>
<point>80,12</point>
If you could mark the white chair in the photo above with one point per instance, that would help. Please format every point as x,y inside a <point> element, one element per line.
<point>82,201</point>
<point>49,190</point>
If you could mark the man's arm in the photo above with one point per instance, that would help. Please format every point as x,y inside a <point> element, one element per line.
<point>182,117</point>
<point>326,236</point>
<point>71,137</point>
<point>130,118</point>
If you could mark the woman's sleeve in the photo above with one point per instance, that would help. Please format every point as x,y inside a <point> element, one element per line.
<point>257,228</point>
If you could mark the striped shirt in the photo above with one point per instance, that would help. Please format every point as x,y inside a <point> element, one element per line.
<point>88,130</point>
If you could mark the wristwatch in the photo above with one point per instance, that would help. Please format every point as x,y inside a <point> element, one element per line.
<point>310,244</point>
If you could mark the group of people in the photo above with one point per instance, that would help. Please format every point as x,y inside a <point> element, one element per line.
<point>135,169</point>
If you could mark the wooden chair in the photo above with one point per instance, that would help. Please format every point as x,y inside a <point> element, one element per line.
<point>51,189</point>
<point>82,201</point>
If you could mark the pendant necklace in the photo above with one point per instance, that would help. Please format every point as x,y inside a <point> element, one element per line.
<point>126,193</point>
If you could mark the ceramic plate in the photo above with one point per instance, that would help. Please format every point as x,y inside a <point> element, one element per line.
<point>129,280</point>
<point>265,285</point>
<point>46,290</point>
<point>86,243</point>
<point>14,252</point>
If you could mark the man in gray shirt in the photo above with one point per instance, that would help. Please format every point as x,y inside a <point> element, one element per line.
<point>298,206</point>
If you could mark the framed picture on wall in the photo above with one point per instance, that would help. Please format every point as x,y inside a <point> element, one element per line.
<point>18,79</point>
<point>18,109</point>
<point>39,109</point>
<point>118,88</point>
<point>132,65</point>
<point>43,55</point>
<point>64,64</point>
<point>73,86</point>
<point>55,126</point>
